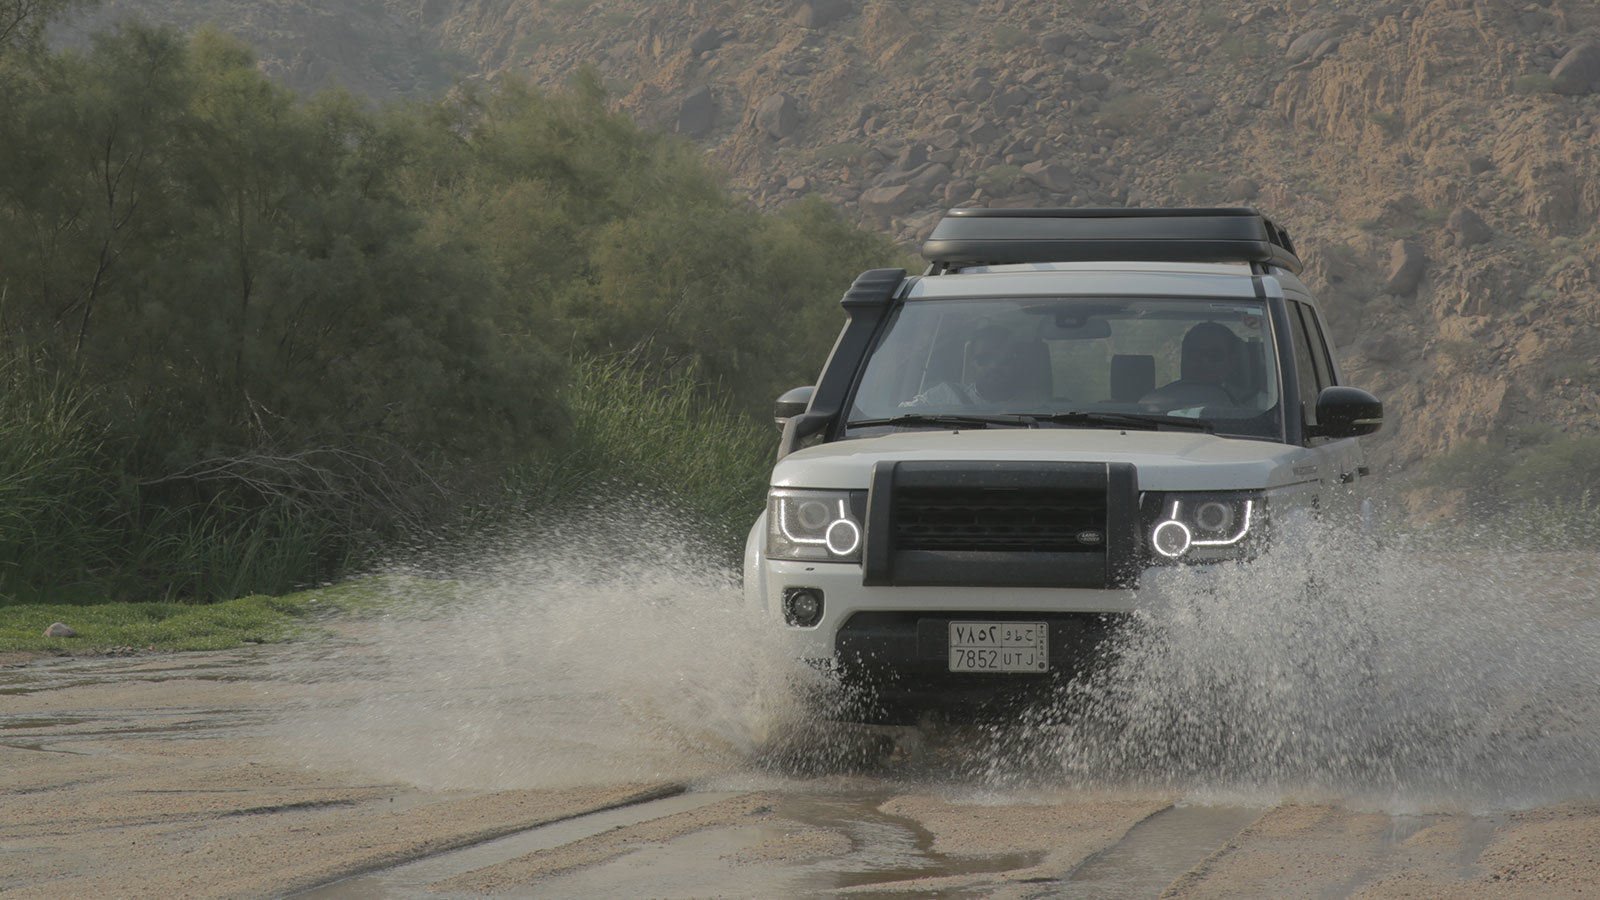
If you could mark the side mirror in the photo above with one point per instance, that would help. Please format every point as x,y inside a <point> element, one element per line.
<point>792,403</point>
<point>1346,412</point>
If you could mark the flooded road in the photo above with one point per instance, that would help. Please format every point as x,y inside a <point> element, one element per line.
<point>555,731</point>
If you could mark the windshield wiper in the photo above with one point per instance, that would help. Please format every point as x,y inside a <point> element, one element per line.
<point>952,420</point>
<point>1125,420</point>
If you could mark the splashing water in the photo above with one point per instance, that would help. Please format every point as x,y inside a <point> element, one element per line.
<point>1394,677</point>
<point>1398,677</point>
<point>605,654</point>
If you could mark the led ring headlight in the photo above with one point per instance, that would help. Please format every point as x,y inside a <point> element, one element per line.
<point>843,537</point>
<point>1171,539</point>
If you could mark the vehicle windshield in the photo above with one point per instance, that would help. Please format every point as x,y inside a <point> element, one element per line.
<point>1075,362</point>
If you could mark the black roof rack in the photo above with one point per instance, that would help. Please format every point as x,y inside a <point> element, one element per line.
<point>969,237</point>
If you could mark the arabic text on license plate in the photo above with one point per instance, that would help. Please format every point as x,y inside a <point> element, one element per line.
<point>999,646</point>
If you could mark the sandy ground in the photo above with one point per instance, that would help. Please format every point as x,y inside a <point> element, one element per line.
<point>155,776</point>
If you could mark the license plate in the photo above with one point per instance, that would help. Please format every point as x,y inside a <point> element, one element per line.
<point>999,646</point>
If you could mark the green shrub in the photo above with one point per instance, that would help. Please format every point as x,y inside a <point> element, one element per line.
<point>1534,84</point>
<point>1007,37</point>
<point>1142,59</point>
<point>997,180</point>
<point>1127,112</point>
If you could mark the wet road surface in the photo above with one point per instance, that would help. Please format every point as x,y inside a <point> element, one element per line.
<point>157,775</point>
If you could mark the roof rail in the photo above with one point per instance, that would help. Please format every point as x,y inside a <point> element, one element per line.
<point>970,237</point>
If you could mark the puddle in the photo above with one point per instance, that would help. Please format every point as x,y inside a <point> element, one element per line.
<point>1157,851</point>
<point>862,846</point>
<point>412,879</point>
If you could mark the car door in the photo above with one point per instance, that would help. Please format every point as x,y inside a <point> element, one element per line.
<point>1340,462</point>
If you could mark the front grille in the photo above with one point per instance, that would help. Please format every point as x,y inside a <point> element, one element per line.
<point>1001,524</point>
<point>999,519</point>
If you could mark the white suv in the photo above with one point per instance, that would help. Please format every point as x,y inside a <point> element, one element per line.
<point>998,452</point>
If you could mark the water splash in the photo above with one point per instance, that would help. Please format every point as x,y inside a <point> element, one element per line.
<point>1397,677</point>
<point>599,653</point>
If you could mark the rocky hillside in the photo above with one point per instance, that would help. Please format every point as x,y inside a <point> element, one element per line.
<point>1437,161</point>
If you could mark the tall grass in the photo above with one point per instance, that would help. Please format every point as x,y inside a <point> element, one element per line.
<point>77,525</point>
<point>671,441</point>
<point>55,490</point>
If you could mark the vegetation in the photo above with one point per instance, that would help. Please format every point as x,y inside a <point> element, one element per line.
<point>1534,84</point>
<point>1540,487</point>
<point>249,339</point>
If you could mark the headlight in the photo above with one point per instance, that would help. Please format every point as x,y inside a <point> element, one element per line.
<point>813,525</point>
<point>1204,527</point>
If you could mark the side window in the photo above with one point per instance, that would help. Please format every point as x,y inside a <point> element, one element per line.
<point>1305,364</point>
<point>1319,346</point>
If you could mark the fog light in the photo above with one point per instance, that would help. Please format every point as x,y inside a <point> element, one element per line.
<point>802,606</point>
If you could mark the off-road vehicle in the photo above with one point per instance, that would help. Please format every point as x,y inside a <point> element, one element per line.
<point>1003,453</point>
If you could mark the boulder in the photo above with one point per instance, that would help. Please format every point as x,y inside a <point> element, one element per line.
<point>778,115</point>
<point>1579,71</point>
<point>1406,268</point>
<point>821,13</point>
<point>1303,47</point>
<point>1468,227</point>
<point>708,39</point>
<point>890,201</point>
<point>931,180</point>
<point>696,113</point>
<point>1055,43</point>
<point>1050,176</point>
<point>1243,187</point>
<point>59,629</point>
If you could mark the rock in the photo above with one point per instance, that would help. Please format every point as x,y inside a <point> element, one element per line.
<point>1406,268</point>
<point>952,121</point>
<point>821,13</point>
<point>1381,348</point>
<point>1304,46</point>
<point>890,201</point>
<point>1201,103</point>
<point>58,629</point>
<point>958,191</point>
<point>696,113</point>
<point>1579,71</point>
<point>1093,82</point>
<point>1478,165</point>
<point>931,180</point>
<point>1011,101</point>
<point>778,115</point>
<point>983,132</point>
<point>1101,33</point>
<point>1050,176</point>
<point>1243,187</point>
<point>913,155</point>
<point>1468,227</point>
<point>1055,43</point>
<point>947,139</point>
<point>797,183</point>
<point>709,39</point>
<point>978,89</point>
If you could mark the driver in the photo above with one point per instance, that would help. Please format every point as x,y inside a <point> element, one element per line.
<point>1210,357</point>
<point>997,373</point>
